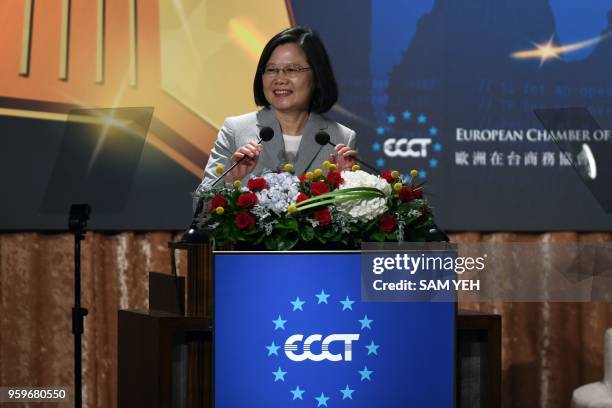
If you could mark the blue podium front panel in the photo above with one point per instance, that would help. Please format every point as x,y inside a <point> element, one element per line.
<point>291,331</point>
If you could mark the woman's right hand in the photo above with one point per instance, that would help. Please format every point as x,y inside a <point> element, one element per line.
<point>251,152</point>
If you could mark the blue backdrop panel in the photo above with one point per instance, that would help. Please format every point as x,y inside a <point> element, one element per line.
<point>404,355</point>
<point>417,76</point>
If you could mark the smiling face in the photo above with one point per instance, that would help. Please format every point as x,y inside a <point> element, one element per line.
<point>288,91</point>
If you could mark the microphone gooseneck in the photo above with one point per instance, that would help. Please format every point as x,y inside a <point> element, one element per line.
<point>192,235</point>
<point>265,135</point>
<point>323,139</point>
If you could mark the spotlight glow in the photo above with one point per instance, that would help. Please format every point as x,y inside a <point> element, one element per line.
<point>548,50</point>
<point>592,164</point>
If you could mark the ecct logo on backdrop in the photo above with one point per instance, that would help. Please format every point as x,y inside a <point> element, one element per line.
<point>407,136</point>
<point>307,354</point>
<point>416,147</point>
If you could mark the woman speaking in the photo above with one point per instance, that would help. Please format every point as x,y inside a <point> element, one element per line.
<point>295,85</point>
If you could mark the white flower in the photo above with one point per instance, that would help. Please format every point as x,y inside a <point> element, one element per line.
<point>364,210</point>
<point>312,222</point>
<point>414,213</point>
<point>342,221</point>
<point>282,191</point>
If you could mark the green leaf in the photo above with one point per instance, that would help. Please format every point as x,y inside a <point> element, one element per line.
<point>336,200</point>
<point>258,240</point>
<point>288,223</point>
<point>346,191</point>
<point>287,243</point>
<point>251,231</point>
<point>325,232</point>
<point>272,242</point>
<point>428,221</point>
<point>306,233</point>
<point>378,236</point>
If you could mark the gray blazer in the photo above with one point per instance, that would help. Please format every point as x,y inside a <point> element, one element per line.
<point>240,130</point>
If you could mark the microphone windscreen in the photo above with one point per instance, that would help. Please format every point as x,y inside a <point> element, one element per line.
<point>322,138</point>
<point>266,133</point>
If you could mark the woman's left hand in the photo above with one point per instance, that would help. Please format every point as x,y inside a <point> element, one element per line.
<point>345,157</point>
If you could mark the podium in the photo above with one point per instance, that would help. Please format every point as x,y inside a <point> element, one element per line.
<point>291,330</point>
<point>261,300</point>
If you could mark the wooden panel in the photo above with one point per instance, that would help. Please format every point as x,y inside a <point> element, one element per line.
<point>490,326</point>
<point>146,341</point>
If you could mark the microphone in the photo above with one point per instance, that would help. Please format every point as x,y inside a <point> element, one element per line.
<point>436,234</point>
<point>195,236</point>
<point>265,134</point>
<point>323,139</point>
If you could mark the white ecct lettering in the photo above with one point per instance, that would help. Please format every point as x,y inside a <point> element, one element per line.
<point>416,147</point>
<point>291,347</point>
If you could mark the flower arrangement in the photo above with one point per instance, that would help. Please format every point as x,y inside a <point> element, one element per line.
<point>280,211</point>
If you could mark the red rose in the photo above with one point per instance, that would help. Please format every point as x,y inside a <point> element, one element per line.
<point>406,194</point>
<point>334,178</point>
<point>418,193</point>
<point>246,200</point>
<point>302,178</point>
<point>244,220</point>
<point>301,197</point>
<point>323,216</point>
<point>257,184</point>
<point>319,187</point>
<point>387,223</point>
<point>218,201</point>
<point>387,176</point>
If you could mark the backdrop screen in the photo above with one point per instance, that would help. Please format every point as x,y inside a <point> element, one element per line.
<point>445,87</point>
<point>449,88</point>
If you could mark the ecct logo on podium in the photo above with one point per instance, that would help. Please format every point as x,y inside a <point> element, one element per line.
<point>307,354</point>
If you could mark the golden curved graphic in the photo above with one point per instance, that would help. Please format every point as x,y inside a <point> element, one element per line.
<point>549,50</point>
<point>192,60</point>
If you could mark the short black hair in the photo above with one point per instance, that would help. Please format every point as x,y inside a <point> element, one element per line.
<point>325,94</point>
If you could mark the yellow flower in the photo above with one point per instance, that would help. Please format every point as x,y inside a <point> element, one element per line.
<point>332,167</point>
<point>219,169</point>
<point>327,164</point>
<point>291,209</point>
<point>397,186</point>
<point>414,173</point>
<point>309,175</point>
<point>219,210</point>
<point>318,172</point>
<point>288,167</point>
<point>355,167</point>
<point>237,184</point>
<point>395,174</point>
